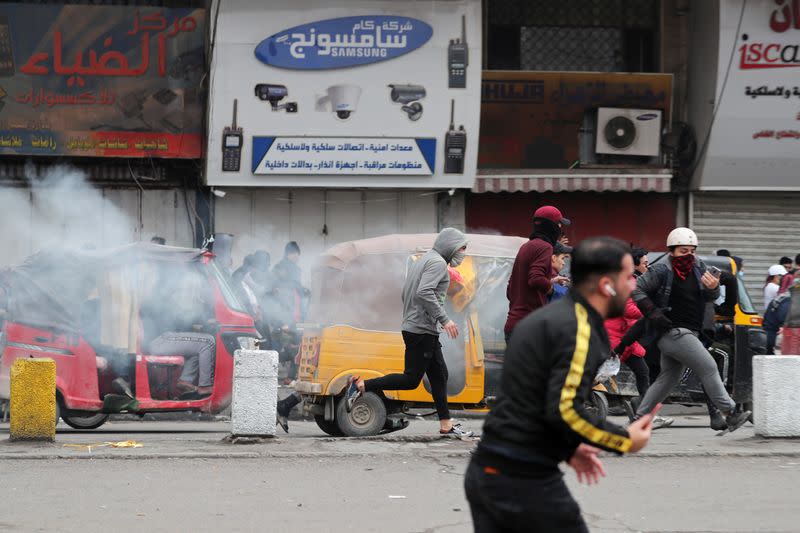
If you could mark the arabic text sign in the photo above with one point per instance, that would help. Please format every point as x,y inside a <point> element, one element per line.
<point>344,155</point>
<point>755,134</point>
<point>343,42</point>
<point>101,80</point>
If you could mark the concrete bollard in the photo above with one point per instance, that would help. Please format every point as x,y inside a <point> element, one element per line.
<point>33,400</point>
<point>776,395</point>
<point>255,393</point>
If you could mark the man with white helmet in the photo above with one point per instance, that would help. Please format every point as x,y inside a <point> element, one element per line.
<point>673,297</point>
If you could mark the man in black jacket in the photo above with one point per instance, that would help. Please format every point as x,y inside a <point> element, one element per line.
<point>673,298</point>
<point>540,419</point>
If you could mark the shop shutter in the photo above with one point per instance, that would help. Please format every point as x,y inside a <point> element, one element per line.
<point>758,227</point>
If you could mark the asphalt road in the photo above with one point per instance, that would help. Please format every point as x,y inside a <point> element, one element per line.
<point>378,493</point>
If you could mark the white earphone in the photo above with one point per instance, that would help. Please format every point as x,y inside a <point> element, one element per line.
<point>610,289</point>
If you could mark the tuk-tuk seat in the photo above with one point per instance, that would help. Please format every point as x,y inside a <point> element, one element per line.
<point>161,373</point>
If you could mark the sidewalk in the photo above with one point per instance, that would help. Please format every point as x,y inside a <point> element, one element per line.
<point>688,437</point>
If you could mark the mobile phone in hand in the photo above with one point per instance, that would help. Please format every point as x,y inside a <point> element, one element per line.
<point>714,271</point>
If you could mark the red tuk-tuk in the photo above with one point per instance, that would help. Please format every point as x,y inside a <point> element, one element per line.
<point>84,309</point>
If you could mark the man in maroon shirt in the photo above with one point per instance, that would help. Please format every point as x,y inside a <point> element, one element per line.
<point>531,278</point>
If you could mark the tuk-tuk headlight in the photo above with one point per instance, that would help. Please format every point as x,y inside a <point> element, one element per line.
<point>247,343</point>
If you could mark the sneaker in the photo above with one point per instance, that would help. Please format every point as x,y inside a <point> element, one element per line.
<point>736,419</point>
<point>351,395</point>
<point>718,422</point>
<point>662,422</point>
<point>283,422</point>
<point>455,432</point>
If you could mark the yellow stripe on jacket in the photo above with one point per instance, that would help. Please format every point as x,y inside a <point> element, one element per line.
<point>566,406</point>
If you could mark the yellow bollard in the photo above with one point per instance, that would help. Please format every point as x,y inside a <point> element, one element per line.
<point>33,400</point>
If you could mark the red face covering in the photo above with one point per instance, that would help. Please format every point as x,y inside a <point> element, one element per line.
<point>683,265</point>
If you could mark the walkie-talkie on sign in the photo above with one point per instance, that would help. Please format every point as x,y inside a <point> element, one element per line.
<point>458,59</point>
<point>232,144</point>
<point>455,145</point>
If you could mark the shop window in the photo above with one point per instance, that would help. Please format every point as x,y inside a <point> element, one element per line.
<point>571,49</point>
<point>503,47</point>
<point>572,35</point>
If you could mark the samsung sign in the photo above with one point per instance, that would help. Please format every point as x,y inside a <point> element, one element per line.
<point>343,42</point>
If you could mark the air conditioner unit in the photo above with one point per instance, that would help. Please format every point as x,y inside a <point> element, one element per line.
<point>623,131</point>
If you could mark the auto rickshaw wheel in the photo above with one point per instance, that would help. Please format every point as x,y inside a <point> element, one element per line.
<point>329,427</point>
<point>365,420</point>
<point>598,406</point>
<point>84,419</point>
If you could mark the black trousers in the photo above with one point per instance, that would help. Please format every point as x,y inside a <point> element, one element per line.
<point>423,356</point>
<point>500,502</point>
<point>642,373</point>
<point>287,404</point>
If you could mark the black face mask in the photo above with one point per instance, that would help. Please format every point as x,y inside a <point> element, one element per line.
<point>546,229</point>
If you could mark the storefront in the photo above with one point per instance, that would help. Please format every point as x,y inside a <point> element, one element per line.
<point>576,104</point>
<point>745,106</point>
<point>542,140</point>
<point>329,124</point>
<point>101,124</point>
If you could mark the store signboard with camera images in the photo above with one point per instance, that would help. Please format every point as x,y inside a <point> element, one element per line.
<point>366,94</point>
<point>101,81</point>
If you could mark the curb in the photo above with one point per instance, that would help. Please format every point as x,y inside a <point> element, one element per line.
<point>229,455</point>
<point>430,454</point>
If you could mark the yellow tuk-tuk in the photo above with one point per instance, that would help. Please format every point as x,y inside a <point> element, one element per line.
<point>355,317</point>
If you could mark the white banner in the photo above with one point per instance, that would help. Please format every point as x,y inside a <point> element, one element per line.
<point>343,155</point>
<point>755,141</point>
<point>366,72</point>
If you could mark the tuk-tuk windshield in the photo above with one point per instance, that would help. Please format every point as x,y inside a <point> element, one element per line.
<point>223,277</point>
<point>745,302</point>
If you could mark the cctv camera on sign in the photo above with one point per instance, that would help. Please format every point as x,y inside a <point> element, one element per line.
<point>408,94</point>
<point>273,94</point>
<point>340,99</point>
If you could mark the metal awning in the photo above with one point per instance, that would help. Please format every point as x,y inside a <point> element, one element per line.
<point>597,180</point>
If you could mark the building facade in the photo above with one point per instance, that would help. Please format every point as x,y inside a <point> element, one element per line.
<point>579,103</point>
<point>745,107</point>
<point>101,123</point>
<point>329,124</point>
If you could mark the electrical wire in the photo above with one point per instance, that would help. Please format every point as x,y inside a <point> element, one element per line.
<point>704,147</point>
<point>188,214</point>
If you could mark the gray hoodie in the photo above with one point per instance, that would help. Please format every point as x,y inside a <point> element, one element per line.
<point>427,283</point>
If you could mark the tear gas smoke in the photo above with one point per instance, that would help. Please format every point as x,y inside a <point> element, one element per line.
<point>59,207</point>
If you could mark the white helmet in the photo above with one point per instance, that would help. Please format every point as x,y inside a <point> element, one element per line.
<point>681,237</point>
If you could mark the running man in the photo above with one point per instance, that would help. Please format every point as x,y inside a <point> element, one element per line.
<point>674,298</point>
<point>540,419</point>
<point>423,312</point>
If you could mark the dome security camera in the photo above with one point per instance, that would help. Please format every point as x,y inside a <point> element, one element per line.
<point>343,100</point>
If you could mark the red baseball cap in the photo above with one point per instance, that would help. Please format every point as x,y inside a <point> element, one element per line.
<point>551,213</point>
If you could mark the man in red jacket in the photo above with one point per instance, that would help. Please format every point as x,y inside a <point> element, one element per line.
<point>531,280</point>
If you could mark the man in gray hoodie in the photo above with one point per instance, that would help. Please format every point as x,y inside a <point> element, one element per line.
<point>424,294</point>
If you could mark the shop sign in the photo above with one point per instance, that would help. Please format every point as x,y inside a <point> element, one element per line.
<point>341,155</point>
<point>343,42</point>
<point>101,81</point>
